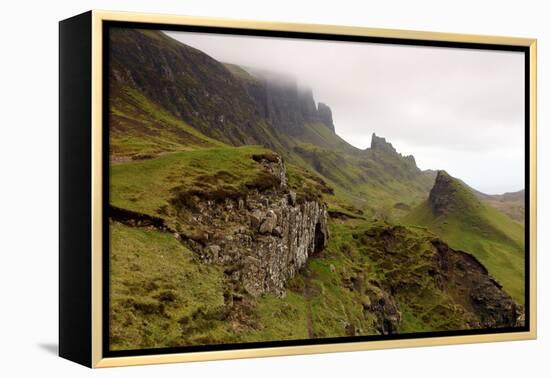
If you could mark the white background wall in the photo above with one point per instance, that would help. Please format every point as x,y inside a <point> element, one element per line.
<point>28,200</point>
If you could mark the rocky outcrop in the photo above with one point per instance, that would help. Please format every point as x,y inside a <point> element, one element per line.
<point>380,145</point>
<point>450,195</point>
<point>441,198</point>
<point>421,267</point>
<point>462,275</point>
<point>325,115</point>
<point>286,237</point>
<point>135,219</point>
<point>385,309</point>
<point>262,237</point>
<point>388,164</point>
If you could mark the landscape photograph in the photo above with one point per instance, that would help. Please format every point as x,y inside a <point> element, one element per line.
<point>269,189</point>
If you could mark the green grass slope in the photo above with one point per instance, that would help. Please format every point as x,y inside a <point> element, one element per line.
<point>378,181</point>
<point>455,214</point>
<point>166,96</point>
<point>316,304</point>
<point>157,286</point>
<point>140,128</point>
<point>188,84</point>
<point>511,204</point>
<point>180,121</point>
<point>162,296</point>
<point>146,186</point>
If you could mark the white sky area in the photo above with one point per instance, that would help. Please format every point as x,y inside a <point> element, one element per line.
<point>460,110</point>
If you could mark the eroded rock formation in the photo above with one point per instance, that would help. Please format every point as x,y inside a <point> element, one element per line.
<point>471,298</point>
<point>262,238</point>
<point>469,282</point>
<point>325,115</point>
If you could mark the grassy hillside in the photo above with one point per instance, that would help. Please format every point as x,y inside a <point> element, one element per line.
<point>187,84</point>
<point>146,186</point>
<point>157,287</point>
<point>454,213</point>
<point>186,130</point>
<point>142,129</point>
<point>193,102</point>
<point>163,296</point>
<point>378,181</point>
<point>511,204</point>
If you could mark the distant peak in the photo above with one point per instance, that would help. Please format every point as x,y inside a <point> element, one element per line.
<point>443,176</point>
<point>384,153</point>
<point>411,159</point>
<point>380,144</point>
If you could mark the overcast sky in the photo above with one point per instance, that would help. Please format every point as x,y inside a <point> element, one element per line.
<point>454,109</point>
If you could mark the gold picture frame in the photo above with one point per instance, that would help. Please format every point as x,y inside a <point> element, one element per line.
<point>82,276</point>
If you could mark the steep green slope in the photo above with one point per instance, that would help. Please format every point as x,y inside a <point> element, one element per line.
<point>142,129</point>
<point>198,147</point>
<point>453,212</point>
<point>186,83</point>
<point>372,277</point>
<point>157,285</point>
<point>318,134</point>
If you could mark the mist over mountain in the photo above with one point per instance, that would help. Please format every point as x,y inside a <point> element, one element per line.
<point>407,94</point>
<point>239,214</point>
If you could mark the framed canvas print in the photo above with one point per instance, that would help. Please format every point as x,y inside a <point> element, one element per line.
<point>235,189</point>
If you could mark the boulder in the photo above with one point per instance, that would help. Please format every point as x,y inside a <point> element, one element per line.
<point>269,223</point>
<point>256,218</point>
<point>292,198</point>
<point>211,253</point>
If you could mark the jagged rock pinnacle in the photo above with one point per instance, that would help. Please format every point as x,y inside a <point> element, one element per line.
<point>325,115</point>
<point>380,144</point>
<point>449,194</point>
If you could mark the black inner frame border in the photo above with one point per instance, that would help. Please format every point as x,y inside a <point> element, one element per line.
<point>106,25</point>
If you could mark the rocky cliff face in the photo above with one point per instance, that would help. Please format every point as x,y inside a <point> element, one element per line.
<point>202,91</point>
<point>421,267</point>
<point>325,115</point>
<point>469,282</point>
<point>288,107</point>
<point>187,83</point>
<point>262,237</point>
<point>284,104</point>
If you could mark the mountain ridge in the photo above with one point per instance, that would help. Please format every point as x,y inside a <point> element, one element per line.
<point>233,106</point>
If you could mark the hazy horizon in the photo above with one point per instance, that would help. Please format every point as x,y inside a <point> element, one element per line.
<point>459,110</point>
